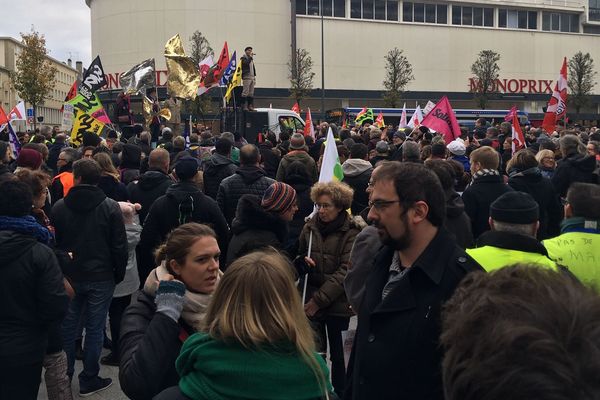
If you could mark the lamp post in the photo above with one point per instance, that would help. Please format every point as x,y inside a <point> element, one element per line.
<point>322,64</point>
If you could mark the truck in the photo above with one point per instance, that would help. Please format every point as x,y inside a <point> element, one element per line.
<point>248,124</point>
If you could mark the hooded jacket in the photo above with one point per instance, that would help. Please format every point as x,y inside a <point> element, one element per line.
<point>254,228</point>
<point>297,177</point>
<point>457,221</point>
<point>33,298</point>
<point>247,179</point>
<point>297,155</point>
<point>151,185</point>
<point>131,157</point>
<point>217,168</point>
<point>574,168</point>
<point>113,189</point>
<point>90,226</point>
<point>357,173</point>
<point>270,159</point>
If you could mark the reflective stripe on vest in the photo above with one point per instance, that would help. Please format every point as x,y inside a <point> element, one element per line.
<point>66,179</point>
<point>492,258</point>
<point>579,252</point>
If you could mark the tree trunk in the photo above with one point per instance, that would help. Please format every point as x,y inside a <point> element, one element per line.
<point>34,117</point>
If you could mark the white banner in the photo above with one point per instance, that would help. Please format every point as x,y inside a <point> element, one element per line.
<point>67,118</point>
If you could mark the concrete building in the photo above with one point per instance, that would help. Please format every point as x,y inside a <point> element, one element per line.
<point>440,38</point>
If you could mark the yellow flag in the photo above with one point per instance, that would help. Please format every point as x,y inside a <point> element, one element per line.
<point>84,123</point>
<point>235,81</point>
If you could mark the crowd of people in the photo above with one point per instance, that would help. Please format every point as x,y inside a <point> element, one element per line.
<point>227,270</point>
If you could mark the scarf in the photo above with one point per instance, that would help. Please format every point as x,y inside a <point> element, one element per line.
<point>327,228</point>
<point>26,225</point>
<point>195,305</point>
<point>485,172</point>
<point>579,224</point>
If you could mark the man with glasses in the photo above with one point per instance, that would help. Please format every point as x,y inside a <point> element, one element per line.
<point>396,351</point>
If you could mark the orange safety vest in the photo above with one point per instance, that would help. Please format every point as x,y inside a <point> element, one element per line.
<point>66,179</point>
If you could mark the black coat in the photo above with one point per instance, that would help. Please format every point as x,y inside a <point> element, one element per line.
<point>90,226</point>
<point>32,295</point>
<point>149,344</point>
<point>270,160</point>
<point>217,168</point>
<point>151,185</point>
<point>247,179</point>
<point>113,189</point>
<point>357,175</point>
<point>575,168</point>
<point>164,216</point>
<point>253,229</point>
<point>541,189</point>
<point>457,221</point>
<point>396,353</point>
<point>478,197</point>
<point>53,153</point>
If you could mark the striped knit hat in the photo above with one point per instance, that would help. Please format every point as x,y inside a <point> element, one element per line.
<point>278,198</point>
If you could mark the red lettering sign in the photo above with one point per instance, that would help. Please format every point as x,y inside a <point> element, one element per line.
<point>514,86</point>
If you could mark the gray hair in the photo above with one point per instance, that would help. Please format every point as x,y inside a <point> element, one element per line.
<point>411,151</point>
<point>571,144</point>
<point>229,136</point>
<point>522,229</point>
<point>71,153</point>
<point>46,130</point>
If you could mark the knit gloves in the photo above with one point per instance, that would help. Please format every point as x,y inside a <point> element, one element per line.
<point>170,298</point>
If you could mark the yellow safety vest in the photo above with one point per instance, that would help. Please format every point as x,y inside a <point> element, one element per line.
<point>579,252</point>
<point>492,258</point>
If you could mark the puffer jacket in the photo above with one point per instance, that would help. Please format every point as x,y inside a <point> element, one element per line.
<point>331,255</point>
<point>247,179</point>
<point>297,155</point>
<point>357,173</point>
<point>217,168</point>
<point>151,185</point>
<point>575,168</point>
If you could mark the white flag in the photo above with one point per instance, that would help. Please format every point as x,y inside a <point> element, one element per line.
<point>416,119</point>
<point>403,123</point>
<point>428,107</point>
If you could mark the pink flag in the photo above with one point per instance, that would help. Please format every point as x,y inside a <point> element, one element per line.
<point>509,117</point>
<point>403,123</point>
<point>309,129</point>
<point>442,119</point>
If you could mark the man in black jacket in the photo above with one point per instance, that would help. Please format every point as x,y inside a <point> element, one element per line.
<point>249,178</point>
<point>357,172</point>
<point>396,354</point>
<point>576,165</point>
<point>153,183</point>
<point>89,226</point>
<point>31,291</point>
<point>218,167</point>
<point>183,202</point>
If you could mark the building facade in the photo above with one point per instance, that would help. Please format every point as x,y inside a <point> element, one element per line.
<point>441,40</point>
<point>50,110</point>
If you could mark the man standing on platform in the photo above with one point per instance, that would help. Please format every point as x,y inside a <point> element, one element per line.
<point>248,79</point>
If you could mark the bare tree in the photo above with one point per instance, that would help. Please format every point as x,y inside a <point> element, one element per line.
<point>581,79</point>
<point>34,76</point>
<point>301,75</point>
<point>486,70</point>
<point>398,74</point>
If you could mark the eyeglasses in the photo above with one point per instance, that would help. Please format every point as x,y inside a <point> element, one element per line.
<point>324,206</point>
<point>382,204</point>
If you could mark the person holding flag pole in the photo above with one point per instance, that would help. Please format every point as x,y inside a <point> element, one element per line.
<point>325,244</point>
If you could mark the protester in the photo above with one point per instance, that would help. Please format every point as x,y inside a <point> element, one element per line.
<point>168,310</point>
<point>298,178</point>
<point>262,222</point>
<point>270,157</point>
<point>517,333</point>
<point>31,290</point>
<point>546,162</point>
<point>218,167</point>
<point>248,79</point>
<point>458,151</point>
<point>110,182</point>
<point>574,247</point>
<point>84,218</point>
<point>5,157</point>
<point>575,166</point>
<point>357,173</point>
<point>396,352</point>
<point>382,152</point>
<point>30,159</point>
<point>411,152</point>
<point>154,117</point>
<point>54,151</point>
<point>129,168</point>
<point>297,152</point>
<point>331,233</point>
<point>398,139</point>
<point>249,178</point>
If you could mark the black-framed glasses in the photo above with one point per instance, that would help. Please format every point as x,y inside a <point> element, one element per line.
<point>382,204</point>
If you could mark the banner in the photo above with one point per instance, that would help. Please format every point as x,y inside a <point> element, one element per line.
<point>331,169</point>
<point>204,66</point>
<point>93,79</point>
<point>13,141</point>
<point>442,120</point>
<point>403,123</point>
<point>18,112</point>
<point>92,107</point>
<point>222,63</point>
<point>509,117</point>
<point>366,114</point>
<point>183,77</point>
<point>379,122</point>
<point>428,107</point>
<point>67,118</point>
<point>72,93</point>
<point>84,123</point>
<point>557,106</point>
<point>228,74</point>
<point>139,77</point>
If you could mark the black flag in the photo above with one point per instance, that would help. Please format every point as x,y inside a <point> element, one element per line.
<point>93,79</point>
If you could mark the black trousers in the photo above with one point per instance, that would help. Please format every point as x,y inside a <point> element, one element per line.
<point>20,382</point>
<point>115,314</point>
<point>329,329</point>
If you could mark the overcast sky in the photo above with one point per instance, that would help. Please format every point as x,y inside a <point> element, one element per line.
<point>64,23</point>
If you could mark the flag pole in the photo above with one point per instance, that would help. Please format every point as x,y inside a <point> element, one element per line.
<point>310,238</point>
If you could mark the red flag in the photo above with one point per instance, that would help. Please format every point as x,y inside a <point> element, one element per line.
<point>309,129</point>
<point>442,119</point>
<point>344,124</point>
<point>557,106</point>
<point>296,108</point>
<point>379,122</point>
<point>518,140</point>
<point>3,117</point>
<point>513,111</point>
<point>72,93</point>
<point>222,63</point>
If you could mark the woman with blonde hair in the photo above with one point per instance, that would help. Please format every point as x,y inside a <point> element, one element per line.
<point>330,235</point>
<point>255,342</point>
<point>110,181</point>
<point>546,162</point>
<point>169,309</point>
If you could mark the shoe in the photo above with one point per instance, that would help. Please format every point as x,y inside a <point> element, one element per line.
<point>111,359</point>
<point>94,386</point>
<point>78,350</point>
<point>251,107</point>
<point>107,344</point>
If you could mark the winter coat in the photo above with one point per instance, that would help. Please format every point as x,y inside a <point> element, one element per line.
<point>270,160</point>
<point>33,298</point>
<point>357,174</point>
<point>253,229</point>
<point>149,343</point>
<point>247,179</point>
<point>248,68</point>
<point>541,189</point>
<point>396,353</point>
<point>302,184</point>
<point>575,168</point>
<point>164,215</point>
<point>131,281</point>
<point>477,198</point>
<point>332,256</point>
<point>457,221</point>
<point>464,160</point>
<point>53,154</point>
<point>217,168</point>
<point>90,226</point>
<point>151,185</point>
<point>378,158</point>
<point>297,155</point>
<point>364,251</point>
<point>131,158</point>
<point>113,189</point>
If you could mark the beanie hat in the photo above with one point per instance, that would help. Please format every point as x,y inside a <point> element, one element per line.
<point>186,168</point>
<point>400,134</point>
<point>278,198</point>
<point>297,142</point>
<point>515,208</point>
<point>382,147</point>
<point>29,158</point>
<point>457,148</point>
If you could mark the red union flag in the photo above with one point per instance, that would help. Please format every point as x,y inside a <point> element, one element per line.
<point>296,108</point>
<point>557,106</point>
<point>380,121</point>
<point>309,129</point>
<point>442,119</point>
<point>518,140</point>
